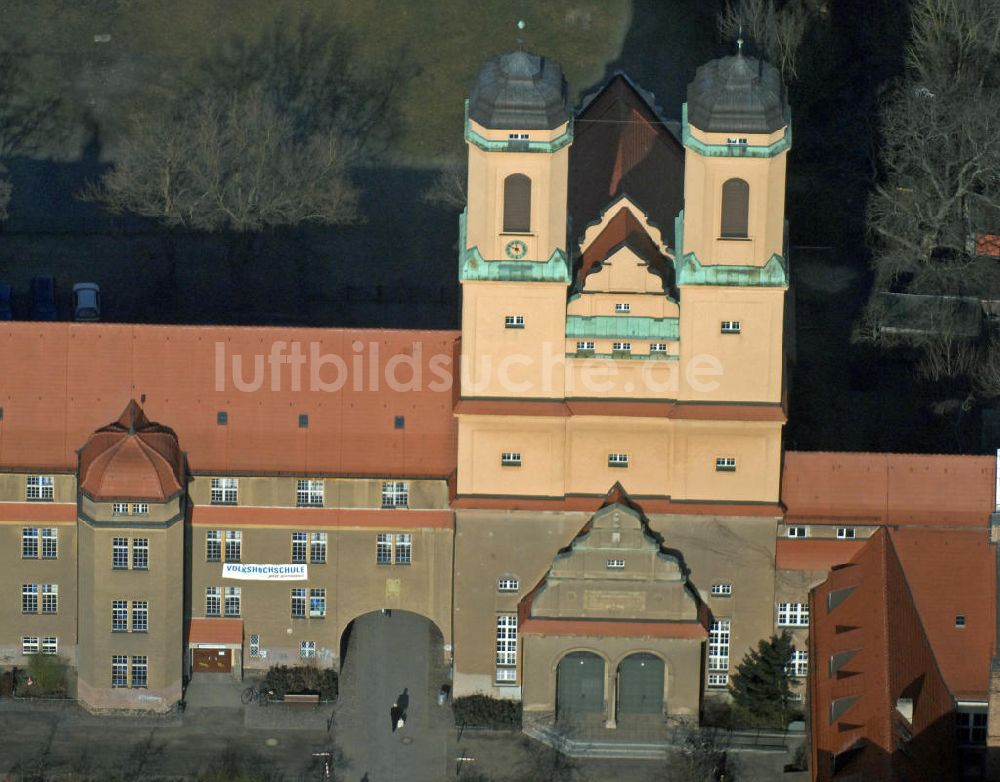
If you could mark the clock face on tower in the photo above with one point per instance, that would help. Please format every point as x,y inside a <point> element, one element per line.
<point>516,249</point>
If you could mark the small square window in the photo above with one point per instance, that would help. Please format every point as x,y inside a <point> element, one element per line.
<point>658,347</point>
<point>508,585</point>
<point>845,533</point>
<point>797,532</point>
<point>725,464</point>
<point>960,620</point>
<point>730,327</point>
<point>585,346</point>
<point>510,459</point>
<point>303,421</point>
<point>307,649</point>
<point>722,590</point>
<point>621,347</point>
<point>625,307</point>
<point>400,422</point>
<point>222,418</point>
<point>737,140</point>
<point>616,564</point>
<point>517,136</point>
<point>617,460</point>
<point>514,322</point>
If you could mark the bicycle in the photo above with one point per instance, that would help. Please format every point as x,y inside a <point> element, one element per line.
<point>259,694</point>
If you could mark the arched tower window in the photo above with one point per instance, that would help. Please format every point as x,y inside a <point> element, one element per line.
<point>735,208</point>
<point>517,204</point>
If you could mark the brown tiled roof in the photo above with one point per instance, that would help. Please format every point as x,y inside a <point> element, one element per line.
<point>373,518</point>
<point>889,488</point>
<point>54,512</point>
<point>624,228</point>
<point>621,146</point>
<point>132,459</point>
<point>865,612</point>
<point>61,381</point>
<point>817,555</point>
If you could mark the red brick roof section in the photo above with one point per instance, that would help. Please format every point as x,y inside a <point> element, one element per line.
<point>814,555</point>
<point>888,488</point>
<point>215,631</point>
<point>62,381</point>
<point>868,650</point>
<point>621,146</point>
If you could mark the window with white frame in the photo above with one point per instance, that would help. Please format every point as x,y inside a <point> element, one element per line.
<point>585,346</point>
<point>40,488</point>
<point>234,544</point>
<point>617,460</point>
<point>140,508</point>
<point>518,136</point>
<point>395,494</point>
<point>119,616</point>
<point>404,548</point>
<point>50,543</point>
<point>254,646</point>
<point>307,649</point>
<point>798,664</point>
<point>722,590</point>
<point>119,670</point>
<point>623,307</point>
<point>508,584</point>
<point>232,603</point>
<point>616,564</point>
<point>736,140</point>
<point>970,727</point>
<point>317,548</point>
<point>213,545</point>
<point>317,602</point>
<point>213,601</point>
<point>225,491</point>
<point>119,553</point>
<point>730,327</point>
<point>725,464</point>
<point>383,548</point>
<point>621,347</point>
<point>718,651</point>
<point>793,614</point>
<point>657,347</point>
<point>50,598</point>
<point>119,509</point>
<point>50,645</point>
<point>140,670</point>
<point>29,644</point>
<point>309,493</point>
<point>507,647</point>
<point>140,616</point>
<point>300,542</point>
<point>510,459</point>
<point>845,533</point>
<point>513,322</point>
<point>298,603</point>
<point>29,543</point>
<point>140,553</point>
<point>797,532</point>
<point>29,598</point>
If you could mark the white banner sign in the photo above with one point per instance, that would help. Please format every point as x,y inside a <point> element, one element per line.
<point>265,572</point>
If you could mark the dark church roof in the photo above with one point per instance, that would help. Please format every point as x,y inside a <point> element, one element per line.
<point>622,146</point>
<point>519,91</point>
<point>737,95</point>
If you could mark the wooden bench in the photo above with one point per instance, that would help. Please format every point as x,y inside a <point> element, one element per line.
<point>308,700</point>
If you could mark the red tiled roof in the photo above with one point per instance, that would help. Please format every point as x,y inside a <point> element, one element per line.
<point>620,146</point>
<point>215,631</point>
<point>888,488</point>
<point>633,408</point>
<point>819,555</point>
<point>877,626</point>
<point>625,228</point>
<point>54,512</point>
<point>61,381</point>
<point>397,518</point>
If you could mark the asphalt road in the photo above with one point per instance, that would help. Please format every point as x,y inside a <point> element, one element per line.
<point>388,656</point>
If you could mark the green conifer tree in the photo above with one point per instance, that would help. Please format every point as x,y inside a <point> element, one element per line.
<point>760,687</point>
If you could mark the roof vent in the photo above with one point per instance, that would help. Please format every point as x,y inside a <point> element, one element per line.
<point>222,418</point>
<point>303,421</point>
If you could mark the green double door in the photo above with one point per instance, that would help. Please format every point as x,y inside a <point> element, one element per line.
<point>640,684</point>
<point>580,685</point>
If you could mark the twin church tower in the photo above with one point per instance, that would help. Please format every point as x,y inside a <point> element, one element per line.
<point>623,284</point>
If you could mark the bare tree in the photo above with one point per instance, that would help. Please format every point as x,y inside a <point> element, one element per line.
<point>776,29</point>
<point>30,114</point>
<point>231,161</point>
<point>449,188</point>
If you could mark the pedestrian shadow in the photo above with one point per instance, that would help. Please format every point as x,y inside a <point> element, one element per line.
<point>397,714</point>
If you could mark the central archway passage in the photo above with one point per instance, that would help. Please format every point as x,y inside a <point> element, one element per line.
<point>579,685</point>
<point>640,684</point>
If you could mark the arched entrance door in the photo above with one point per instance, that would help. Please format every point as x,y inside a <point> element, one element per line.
<point>579,685</point>
<point>640,684</point>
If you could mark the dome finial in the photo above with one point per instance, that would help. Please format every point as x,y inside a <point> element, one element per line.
<point>739,42</point>
<point>520,33</point>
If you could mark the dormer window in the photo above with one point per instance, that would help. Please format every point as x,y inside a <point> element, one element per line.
<point>623,307</point>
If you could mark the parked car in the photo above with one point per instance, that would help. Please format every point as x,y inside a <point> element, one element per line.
<point>6,302</point>
<point>87,301</point>
<point>43,299</point>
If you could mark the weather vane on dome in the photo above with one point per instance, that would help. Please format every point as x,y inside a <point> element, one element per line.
<point>520,30</point>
